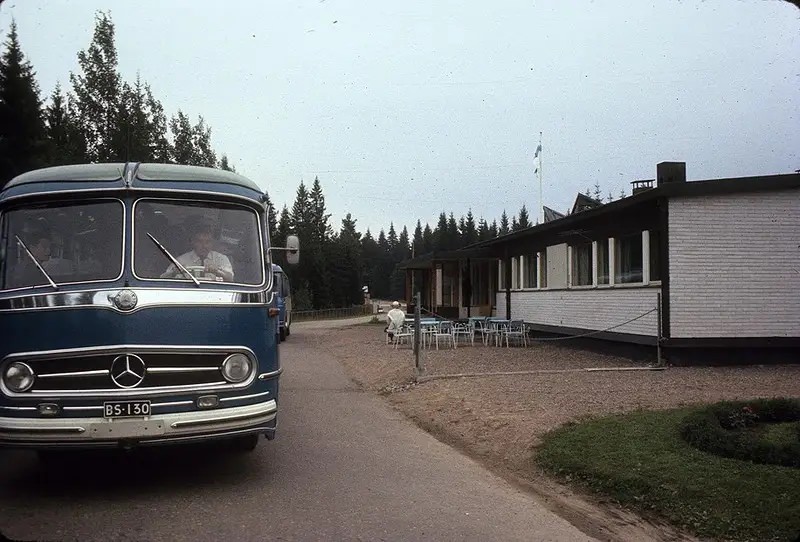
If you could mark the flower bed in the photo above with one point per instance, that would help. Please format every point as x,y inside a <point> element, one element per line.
<point>738,430</point>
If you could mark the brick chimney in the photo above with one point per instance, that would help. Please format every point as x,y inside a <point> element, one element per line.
<point>670,172</point>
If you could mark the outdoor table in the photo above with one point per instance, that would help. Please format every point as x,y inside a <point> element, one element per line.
<point>496,325</point>
<point>426,325</point>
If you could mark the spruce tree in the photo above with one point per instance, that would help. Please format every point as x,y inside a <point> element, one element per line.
<point>417,247</point>
<point>65,142</point>
<point>22,134</point>
<point>524,220</point>
<point>428,242</point>
<point>483,230</point>
<point>453,237</point>
<point>470,234</point>
<point>272,218</point>
<point>440,238</point>
<point>283,228</point>
<point>503,223</point>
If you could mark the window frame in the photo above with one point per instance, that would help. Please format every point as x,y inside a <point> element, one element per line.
<point>266,277</point>
<point>530,261</point>
<point>654,249</point>
<point>604,268</point>
<point>573,264</point>
<point>64,202</point>
<point>618,240</point>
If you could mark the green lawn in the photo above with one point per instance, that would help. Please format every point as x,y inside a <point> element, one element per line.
<point>641,461</point>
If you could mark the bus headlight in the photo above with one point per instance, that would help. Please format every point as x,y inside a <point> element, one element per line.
<point>18,377</point>
<point>237,368</point>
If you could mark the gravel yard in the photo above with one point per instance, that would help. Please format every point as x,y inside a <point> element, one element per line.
<point>500,419</point>
<point>503,416</point>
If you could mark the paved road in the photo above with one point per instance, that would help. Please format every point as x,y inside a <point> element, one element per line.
<point>344,467</point>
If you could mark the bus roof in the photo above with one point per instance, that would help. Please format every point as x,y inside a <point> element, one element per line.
<point>139,174</point>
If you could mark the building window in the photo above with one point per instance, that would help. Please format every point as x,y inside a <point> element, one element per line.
<point>582,265</point>
<point>450,285</point>
<point>629,259</point>
<point>514,273</point>
<point>479,284</point>
<point>655,255</point>
<point>602,262</point>
<point>529,265</point>
<point>501,275</point>
<point>543,269</point>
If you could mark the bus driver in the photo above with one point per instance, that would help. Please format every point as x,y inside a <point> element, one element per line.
<point>201,254</point>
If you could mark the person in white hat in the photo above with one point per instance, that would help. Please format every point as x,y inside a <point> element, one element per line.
<point>395,319</point>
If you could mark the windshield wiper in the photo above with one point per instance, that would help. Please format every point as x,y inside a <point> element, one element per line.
<point>35,261</point>
<point>174,260</point>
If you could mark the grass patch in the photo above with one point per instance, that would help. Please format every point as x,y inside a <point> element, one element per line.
<point>641,461</point>
<point>781,434</point>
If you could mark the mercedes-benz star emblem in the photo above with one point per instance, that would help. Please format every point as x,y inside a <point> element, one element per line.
<point>125,300</point>
<point>128,370</point>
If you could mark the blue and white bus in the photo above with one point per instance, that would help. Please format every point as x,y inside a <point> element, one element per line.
<point>283,298</point>
<point>136,307</point>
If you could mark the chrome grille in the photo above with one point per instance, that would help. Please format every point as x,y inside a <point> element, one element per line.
<point>91,372</point>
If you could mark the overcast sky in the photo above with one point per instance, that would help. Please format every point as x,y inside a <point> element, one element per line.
<point>405,109</point>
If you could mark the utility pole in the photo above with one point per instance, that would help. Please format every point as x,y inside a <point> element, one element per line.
<point>417,330</point>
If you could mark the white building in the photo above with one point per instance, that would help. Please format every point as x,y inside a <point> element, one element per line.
<point>719,260</point>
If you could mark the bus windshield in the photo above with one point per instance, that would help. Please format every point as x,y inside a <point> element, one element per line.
<point>197,241</point>
<point>61,243</point>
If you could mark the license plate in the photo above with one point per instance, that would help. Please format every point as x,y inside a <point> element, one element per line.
<point>126,409</point>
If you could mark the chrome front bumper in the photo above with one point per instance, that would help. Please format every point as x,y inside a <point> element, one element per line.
<point>155,429</point>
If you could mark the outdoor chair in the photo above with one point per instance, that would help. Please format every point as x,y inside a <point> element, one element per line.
<point>483,328</point>
<point>406,334</point>
<point>427,335</point>
<point>494,332</point>
<point>464,329</point>
<point>445,332</point>
<point>516,331</point>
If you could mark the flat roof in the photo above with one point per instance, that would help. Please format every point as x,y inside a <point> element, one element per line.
<point>667,190</point>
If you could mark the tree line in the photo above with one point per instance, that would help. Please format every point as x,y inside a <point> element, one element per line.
<point>103,118</point>
<point>100,118</point>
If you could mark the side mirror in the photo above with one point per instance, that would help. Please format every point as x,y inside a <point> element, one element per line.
<point>292,250</point>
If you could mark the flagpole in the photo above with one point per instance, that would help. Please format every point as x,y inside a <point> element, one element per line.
<point>541,202</point>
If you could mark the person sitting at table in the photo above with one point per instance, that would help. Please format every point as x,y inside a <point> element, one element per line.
<point>395,320</point>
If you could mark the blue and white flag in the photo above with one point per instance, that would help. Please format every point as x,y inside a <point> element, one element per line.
<point>538,150</point>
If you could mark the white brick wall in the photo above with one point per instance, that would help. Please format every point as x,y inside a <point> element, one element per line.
<point>735,265</point>
<point>594,309</point>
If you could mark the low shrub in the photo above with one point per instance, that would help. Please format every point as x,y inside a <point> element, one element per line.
<point>729,429</point>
